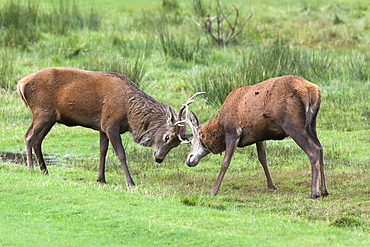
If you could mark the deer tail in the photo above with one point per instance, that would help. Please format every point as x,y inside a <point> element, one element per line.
<point>313,106</point>
<point>20,90</point>
<point>315,99</point>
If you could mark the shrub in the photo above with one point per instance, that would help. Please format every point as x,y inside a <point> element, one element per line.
<point>179,47</point>
<point>133,68</point>
<point>23,23</point>
<point>217,24</point>
<point>359,66</point>
<point>19,23</point>
<point>8,72</point>
<point>348,221</point>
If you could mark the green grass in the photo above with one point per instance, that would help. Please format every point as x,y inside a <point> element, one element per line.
<point>53,211</point>
<point>157,44</point>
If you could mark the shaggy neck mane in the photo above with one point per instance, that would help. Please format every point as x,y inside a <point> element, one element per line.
<point>145,116</point>
<point>212,136</point>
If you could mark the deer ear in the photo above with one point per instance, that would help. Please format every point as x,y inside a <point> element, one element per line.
<point>194,120</point>
<point>188,136</point>
<point>171,117</point>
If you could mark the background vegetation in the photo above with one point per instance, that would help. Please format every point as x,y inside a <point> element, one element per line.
<point>158,45</point>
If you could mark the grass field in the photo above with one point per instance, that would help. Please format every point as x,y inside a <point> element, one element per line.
<point>158,45</point>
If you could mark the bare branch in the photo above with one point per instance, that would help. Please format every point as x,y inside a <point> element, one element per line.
<point>217,30</point>
<point>241,29</point>
<point>208,27</point>
<point>198,24</point>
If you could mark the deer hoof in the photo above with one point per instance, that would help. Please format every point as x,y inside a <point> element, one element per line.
<point>101,181</point>
<point>325,194</point>
<point>214,192</point>
<point>272,187</point>
<point>130,184</point>
<point>313,197</point>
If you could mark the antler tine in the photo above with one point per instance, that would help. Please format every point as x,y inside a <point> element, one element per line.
<point>188,102</point>
<point>191,100</point>
<point>178,135</point>
<point>186,120</point>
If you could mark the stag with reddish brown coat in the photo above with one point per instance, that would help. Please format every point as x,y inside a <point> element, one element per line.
<point>270,110</point>
<point>104,101</point>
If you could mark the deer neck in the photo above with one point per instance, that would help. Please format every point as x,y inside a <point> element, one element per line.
<point>146,116</point>
<point>212,136</point>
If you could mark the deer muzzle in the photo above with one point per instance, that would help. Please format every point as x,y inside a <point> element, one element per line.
<point>191,161</point>
<point>158,157</point>
<point>158,160</point>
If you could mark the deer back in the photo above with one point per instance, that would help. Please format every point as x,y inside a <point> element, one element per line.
<point>259,111</point>
<point>92,99</point>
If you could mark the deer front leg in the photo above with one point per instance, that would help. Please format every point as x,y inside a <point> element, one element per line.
<point>103,153</point>
<point>115,138</point>
<point>232,140</point>
<point>262,157</point>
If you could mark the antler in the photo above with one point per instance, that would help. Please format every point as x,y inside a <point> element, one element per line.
<point>186,120</point>
<point>185,106</point>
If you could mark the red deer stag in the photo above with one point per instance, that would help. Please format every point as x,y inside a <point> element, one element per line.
<point>273,109</point>
<point>104,101</point>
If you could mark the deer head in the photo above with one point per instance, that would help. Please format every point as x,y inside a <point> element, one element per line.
<point>167,136</point>
<point>198,149</point>
<point>174,132</point>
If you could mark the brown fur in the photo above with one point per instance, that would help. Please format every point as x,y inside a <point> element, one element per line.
<point>213,136</point>
<point>259,114</point>
<point>273,109</point>
<point>103,101</point>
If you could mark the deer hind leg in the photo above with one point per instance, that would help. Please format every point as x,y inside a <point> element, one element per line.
<point>324,188</point>
<point>115,138</point>
<point>29,143</point>
<point>103,153</point>
<point>311,130</point>
<point>34,136</point>
<point>314,153</point>
<point>232,140</point>
<point>262,157</point>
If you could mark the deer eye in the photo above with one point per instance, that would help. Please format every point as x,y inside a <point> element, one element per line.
<point>166,139</point>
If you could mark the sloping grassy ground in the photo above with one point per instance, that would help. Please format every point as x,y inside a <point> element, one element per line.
<point>165,53</point>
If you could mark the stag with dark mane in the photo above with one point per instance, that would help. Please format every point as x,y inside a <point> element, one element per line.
<point>273,109</point>
<point>104,101</point>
